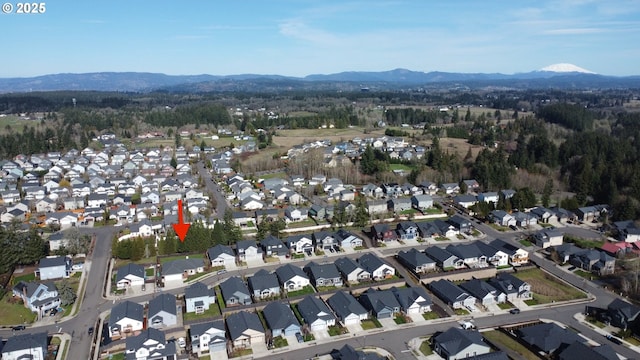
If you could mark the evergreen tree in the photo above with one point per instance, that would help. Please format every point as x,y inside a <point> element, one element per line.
<point>546,193</point>
<point>361,216</point>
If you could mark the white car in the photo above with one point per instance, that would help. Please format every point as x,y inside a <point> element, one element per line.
<point>77,266</point>
<point>181,342</point>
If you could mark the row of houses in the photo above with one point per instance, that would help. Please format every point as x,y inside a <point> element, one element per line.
<point>477,254</point>
<point>596,261</point>
<point>410,230</point>
<point>466,295</point>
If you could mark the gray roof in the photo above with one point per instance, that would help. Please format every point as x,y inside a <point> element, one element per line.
<point>548,337</point>
<point>478,288</point>
<point>163,302</point>
<point>407,296</point>
<point>201,328</point>
<point>344,304</point>
<point>26,341</point>
<point>54,261</point>
<point>179,266</point>
<point>347,352</point>
<point>323,271</point>
<point>263,280</point>
<point>214,252</point>
<point>310,308</point>
<point>447,291</point>
<point>245,244</point>
<point>377,300</point>
<point>197,290</point>
<point>456,339</point>
<point>438,254</point>
<point>279,316</point>
<point>233,286</point>
<point>579,350</point>
<point>414,258</point>
<point>29,288</point>
<point>126,309</point>
<point>465,251</point>
<point>630,311</point>
<point>370,262</point>
<point>288,271</point>
<point>504,246</point>
<point>130,268</point>
<point>346,265</point>
<point>504,280</point>
<point>238,322</point>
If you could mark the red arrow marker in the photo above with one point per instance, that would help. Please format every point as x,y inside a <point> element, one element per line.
<point>181,228</point>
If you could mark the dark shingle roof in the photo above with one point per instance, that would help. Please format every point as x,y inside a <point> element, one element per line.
<point>163,302</point>
<point>455,340</point>
<point>26,341</point>
<point>548,337</point>
<point>311,309</point>
<point>196,290</point>
<point>288,271</point>
<point>238,322</point>
<point>130,268</point>
<point>345,304</point>
<point>279,316</point>
<point>126,309</point>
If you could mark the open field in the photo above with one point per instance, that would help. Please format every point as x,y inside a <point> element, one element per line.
<point>13,313</point>
<point>289,138</point>
<point>546,288</point>
<point>12,123</point>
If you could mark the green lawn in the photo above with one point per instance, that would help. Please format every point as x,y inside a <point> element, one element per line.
<point>546,288</point>
<point>149,272</point>
<point>592,320</point>
<point>431,315</point>
<point>498,337</point>
<point>198,275</point>
<point>279,342</point>
<point>432,211</point>
<point>297,256</point>
<point>337,330</point>
<point>400,320</point>
<point>280,175</point>
<point>25,278</point>
<point>171,258</point>
<point>525,243</point>
<point>372,323</point>
<point>240,353</point>
<point>304,291</point>
<point>118,356</point>
<point>425,348</point>
<point>219,297</point>
<point>403,167</point>
<point>461,312</point>
<point>505,306</point>
<point>12,313</point>
<point>212,312</point>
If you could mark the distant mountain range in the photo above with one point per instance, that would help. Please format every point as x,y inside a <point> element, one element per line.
<point>555,76</point>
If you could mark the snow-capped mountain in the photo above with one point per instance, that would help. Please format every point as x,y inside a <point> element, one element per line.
<point>566,68</point>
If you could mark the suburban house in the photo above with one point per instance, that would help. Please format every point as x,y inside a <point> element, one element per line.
<point>413,300</point>
<point>444,259</point>
<point>452,294</point>
<point>162,311</point>
<point>416,261</point>
<point>378,269</point>
<point>208,337</point>
<point>422,202</point>
<point>382,304</point>
<point>547,237</point>
<point>517,256</point>
<point>54,267</point>
<point>245,329</point>
<point>398,205</point>
<point>579,350</point>
<point>622,314</point>
<point>548,337</point>
<point>470,254</point>
<point>25,346</point>
<point>484,292</point>
<point>264,285</point>
<point>316,313</point>
<point>272,246</point>
<point>300,244</point>
<point>407,231</point>
<point>126,319</point>
<point>198,298</point>
<point>129,275</point>
<point>221,255</point>
<point>513,287</point>
<point>502,218</point>
<point>595,261</point>
<point>347,309</point>
<point>457,343</point>
<point>37,297</point>
<point>235,292</point>
<point>351,271</point>
<point>292,278</point>
<point>461,224</point>
<point>488,197</point>
<point>383,233</point>
<point>347,240</point>
<point>465,200</point>
<point>180,269</point>
<point>280,319</point>
<point>324,274</point>
<point>150,344</point>
<point>325,241</point>
<point>248,250</point>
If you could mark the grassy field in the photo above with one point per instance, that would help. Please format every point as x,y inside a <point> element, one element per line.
<point>498,337</point>
<point>546,288</point>
<point>177,257</point>
<point>212,312</point>
<point>431,315</point>
<point>14,313</point>
<point>402,167</point>
<point>12,123</point>
<point>289,138</point>
<point>425,348</point>
<point>25,278</point>
<point>370,324</point>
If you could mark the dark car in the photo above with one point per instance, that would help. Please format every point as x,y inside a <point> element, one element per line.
<point>53,312</point>
<point>18,328</point>
<point>90,331</point>
<point>515,311</point>
<point>613,339</point>
<point>299,337</point>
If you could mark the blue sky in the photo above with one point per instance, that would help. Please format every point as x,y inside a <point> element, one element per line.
<point>299,37</point>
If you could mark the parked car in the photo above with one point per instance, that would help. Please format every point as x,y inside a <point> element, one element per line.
<point>90,331</point>
<point>515,311</point>
<point>467,325</point>
<point>18,328</point>
<point>53,312</point>
<point>299,337</point>
<point>613,339</point>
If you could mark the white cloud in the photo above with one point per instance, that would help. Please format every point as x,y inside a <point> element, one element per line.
<point>574,31</point>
